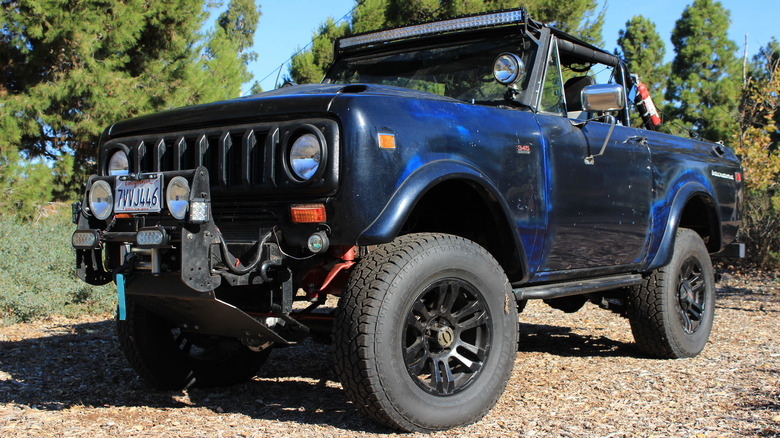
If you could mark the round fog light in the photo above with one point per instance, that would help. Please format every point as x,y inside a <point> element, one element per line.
<point>177,197</point>
<point>101,201</point>
<point>318,242</point>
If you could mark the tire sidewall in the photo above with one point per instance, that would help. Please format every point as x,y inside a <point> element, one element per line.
<point>412,402</point>
<point>688,244</point>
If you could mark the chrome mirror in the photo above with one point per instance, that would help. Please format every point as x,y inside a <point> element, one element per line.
<point>604,97</point>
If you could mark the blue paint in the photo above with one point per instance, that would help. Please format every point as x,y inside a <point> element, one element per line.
<point>120,289</point>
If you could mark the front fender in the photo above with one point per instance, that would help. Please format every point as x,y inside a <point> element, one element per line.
<point>387,225</point>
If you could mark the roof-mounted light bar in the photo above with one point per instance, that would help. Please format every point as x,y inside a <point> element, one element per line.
<point>471,22</point>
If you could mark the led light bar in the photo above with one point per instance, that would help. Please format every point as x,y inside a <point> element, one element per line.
<point>472,22</point>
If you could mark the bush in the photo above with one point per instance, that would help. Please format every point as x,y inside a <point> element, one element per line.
<point>38,271</point>
<point>760,228</point>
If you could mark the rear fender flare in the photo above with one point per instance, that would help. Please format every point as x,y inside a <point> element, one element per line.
<point>666,248</point>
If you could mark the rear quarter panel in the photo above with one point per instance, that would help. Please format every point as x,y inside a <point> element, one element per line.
<point>683,168</point>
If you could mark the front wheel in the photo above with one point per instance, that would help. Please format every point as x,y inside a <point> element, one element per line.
<point>672,311</point>
<point>426,333</point>
<point>170,358</point>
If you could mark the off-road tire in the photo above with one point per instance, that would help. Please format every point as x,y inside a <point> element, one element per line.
<point>661,310</point>
<point>167,358</point>
<point>384,343</point>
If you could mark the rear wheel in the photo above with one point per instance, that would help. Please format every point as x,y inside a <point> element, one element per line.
<point>426,333</point>
<point>169,358</point>
<point>672,311</point>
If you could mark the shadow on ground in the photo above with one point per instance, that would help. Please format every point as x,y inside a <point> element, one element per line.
<point>562,341</point>
<point>85,368</point>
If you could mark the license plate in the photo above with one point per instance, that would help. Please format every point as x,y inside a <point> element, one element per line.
<point>140,195</point>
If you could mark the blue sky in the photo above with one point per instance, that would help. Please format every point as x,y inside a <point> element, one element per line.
<point>288,25</point>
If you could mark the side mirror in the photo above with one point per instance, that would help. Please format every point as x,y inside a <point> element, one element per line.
<point>605,97</point>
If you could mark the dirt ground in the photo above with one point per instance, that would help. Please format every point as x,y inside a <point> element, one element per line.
<point>575,375</point>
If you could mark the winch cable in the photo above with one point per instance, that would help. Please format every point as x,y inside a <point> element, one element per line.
<point>232,264</point>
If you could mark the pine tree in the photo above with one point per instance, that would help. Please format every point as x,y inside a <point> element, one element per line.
<point>704,83</point>
<point>643,50</point>
<point>576,16</point>
<point>70,68</point>
<point>309,66</point>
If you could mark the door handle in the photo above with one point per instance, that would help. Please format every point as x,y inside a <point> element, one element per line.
<point>642,140</point>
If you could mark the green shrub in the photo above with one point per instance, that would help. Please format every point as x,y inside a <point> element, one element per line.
<point>38,270</point>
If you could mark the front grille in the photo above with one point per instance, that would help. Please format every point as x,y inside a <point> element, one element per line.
<point>241,160</point>
<point>234,156</point>
<point>250,185</point>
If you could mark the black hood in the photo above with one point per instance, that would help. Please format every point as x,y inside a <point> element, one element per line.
<point>283,103</point>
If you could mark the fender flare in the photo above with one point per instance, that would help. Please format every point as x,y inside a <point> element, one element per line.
<point>665,250</point>
<point>387,225</point>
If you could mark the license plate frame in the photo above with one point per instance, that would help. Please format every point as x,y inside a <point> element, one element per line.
<point>139,194</point>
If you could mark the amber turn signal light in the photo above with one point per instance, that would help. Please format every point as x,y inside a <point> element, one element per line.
<point>308,213</point>
<point>387,141</point>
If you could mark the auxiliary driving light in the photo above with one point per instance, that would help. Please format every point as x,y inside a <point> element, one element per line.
<point>85,239</point>
<point>318,242</point>
<point>508,69</point>
<point>199,211</point>
<point>151,237</point>
<point>177,197</point>
<point>101,201</point>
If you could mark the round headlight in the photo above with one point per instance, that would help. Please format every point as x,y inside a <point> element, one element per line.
<point>101,201</point>
<point>305,156</point>
<point>118,164</point>
<point>177,197</point>
<point>508,68</point>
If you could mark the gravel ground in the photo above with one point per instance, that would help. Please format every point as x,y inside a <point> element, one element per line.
<point>575,375</point>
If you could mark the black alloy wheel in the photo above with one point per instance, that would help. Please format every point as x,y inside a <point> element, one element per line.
<point>691,293</point>
<point>447,337</point>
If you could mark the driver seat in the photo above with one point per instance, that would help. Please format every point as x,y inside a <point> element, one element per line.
<point>572,90</point>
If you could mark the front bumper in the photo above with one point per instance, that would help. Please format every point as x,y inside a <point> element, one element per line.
<point>177,275</point>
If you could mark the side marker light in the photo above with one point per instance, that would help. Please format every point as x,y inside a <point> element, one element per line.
<point>308,213</point>
<point>386,141</point>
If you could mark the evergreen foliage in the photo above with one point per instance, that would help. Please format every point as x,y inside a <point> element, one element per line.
<point>643,50</point>
<point>704,83</point>
<point>69,69</point>
<point>309,66</point>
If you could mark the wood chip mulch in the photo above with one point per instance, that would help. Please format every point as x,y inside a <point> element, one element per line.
<point>575,375</point>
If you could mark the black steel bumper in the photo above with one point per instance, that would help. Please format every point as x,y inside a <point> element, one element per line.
<point>186,294</point>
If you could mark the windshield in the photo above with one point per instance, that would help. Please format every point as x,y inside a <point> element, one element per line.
<point>463,72</point>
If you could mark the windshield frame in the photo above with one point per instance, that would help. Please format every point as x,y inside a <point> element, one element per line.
<point>509,39</point>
